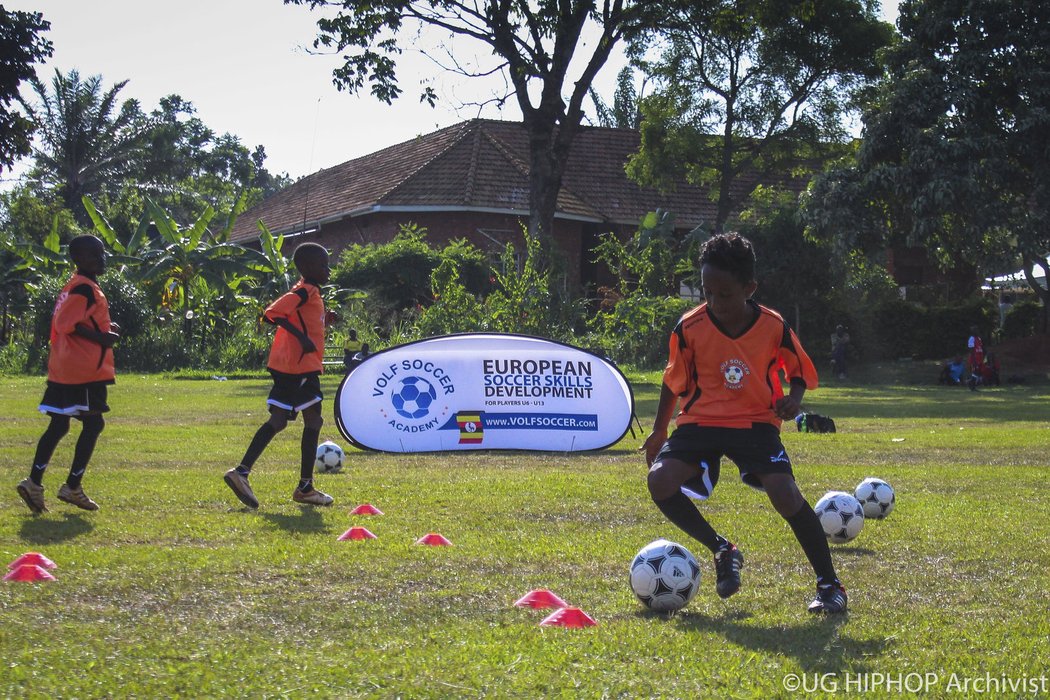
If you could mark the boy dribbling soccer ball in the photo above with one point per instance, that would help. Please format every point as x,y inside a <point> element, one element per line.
<point>726,360</point>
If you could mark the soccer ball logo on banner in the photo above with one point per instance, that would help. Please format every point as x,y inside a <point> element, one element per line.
<point>413,397</point>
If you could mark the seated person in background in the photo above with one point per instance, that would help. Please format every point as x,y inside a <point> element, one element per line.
<point>952,372</point>
<point>990,370</point>
<point>353,350</point>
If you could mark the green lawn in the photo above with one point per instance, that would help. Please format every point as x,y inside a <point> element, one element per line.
<point>173,589</point>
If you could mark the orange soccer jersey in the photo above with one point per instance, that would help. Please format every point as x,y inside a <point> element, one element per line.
<point>733,382</point>
<point>73,359</point>
<point>304,309</point>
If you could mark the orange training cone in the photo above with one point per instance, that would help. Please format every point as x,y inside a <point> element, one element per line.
<point>29,572</point>
<point>33,558</point>
<point>356,533</point>
<point>568,617</point>
<point>540,598</point>
<point>434,540</point>
<point>366,509</point>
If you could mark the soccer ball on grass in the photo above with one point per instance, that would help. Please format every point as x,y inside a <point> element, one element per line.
<point>329,458</point>
<point>876,497</point>
<point>841,516</point>
<point>664,575</point>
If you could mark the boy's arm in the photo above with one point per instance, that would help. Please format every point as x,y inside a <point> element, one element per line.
<point>106,340</point>
<point>664,413</point>
<point>791,405</point>
<point>304,340</point>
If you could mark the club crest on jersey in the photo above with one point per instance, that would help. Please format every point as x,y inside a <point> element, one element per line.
<point>734,371</point>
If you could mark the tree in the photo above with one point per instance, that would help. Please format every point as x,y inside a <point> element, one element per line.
<point>954,147</point>
<point>625,111</point>
<point>20,47</point>
<point>87,142</point>
<point>533,44</point>
<point>750,85</point>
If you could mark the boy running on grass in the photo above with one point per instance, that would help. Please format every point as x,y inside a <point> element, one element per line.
<point>295,364</point>
<point>79,368</point>
<point>726,358</point>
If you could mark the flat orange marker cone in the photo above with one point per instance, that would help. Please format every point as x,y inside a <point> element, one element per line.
<point>33,558</point>
<point>568,617</point>
<point>434,540</point>
<point>356,533</point>
<point>540,598</point>
<point>366,509</point>
<point>29,572</point>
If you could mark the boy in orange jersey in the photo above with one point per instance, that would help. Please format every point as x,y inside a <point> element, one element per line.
<point>726,360</point>
<point>295,365</point>
<point>79,368</point>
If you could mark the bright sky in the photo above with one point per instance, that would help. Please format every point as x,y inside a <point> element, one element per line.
<point>244,65</point>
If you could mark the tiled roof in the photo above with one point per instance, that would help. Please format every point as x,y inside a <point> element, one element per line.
<point>478,164</point>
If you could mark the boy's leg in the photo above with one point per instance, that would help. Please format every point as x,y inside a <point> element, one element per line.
<point>666,477</point>
<point>237,478</point>
<point>305,491</point>
<point>56,430</point>
<point>71,492</point>
<point>31,490</point>
<point>788,500</point>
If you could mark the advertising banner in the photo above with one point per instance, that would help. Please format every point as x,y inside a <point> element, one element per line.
<point>484,391</point>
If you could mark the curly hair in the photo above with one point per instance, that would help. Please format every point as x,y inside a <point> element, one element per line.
<point>731,253</point>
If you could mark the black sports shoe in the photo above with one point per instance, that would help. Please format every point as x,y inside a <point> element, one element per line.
<point>728,562</point>
<point>830,600</point>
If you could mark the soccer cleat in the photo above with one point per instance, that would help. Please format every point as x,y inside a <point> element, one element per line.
<point>830,600</point>
<point>238,483</point>
<point>728,562</point>
<point>313,497</point>
<point>77,497</point>
<point>33,495</point>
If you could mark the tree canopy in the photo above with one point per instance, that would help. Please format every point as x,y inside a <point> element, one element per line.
<point>955,146</point>
<point>538,47</point>
<point>750,85</point>
<point>21,45</point>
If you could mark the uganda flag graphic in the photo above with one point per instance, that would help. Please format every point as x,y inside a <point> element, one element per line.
<point>471,429</point>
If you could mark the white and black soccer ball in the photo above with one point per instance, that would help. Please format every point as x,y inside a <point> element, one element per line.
<point>841,516</point>
<point>413,397</point>
<point>876,497</point>
<point>664,575</point>
<point>329,458</point>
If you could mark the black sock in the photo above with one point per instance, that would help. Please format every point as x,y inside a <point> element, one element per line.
<point>262,438</point>
<point>809,533</point>
<point>92,428</point>
<point>309,453</point>
<point>682,512</point>
<point>56,430</point>
<point>305,485</point>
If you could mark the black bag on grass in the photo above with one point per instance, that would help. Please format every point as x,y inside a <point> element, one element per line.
<point>814,423</point>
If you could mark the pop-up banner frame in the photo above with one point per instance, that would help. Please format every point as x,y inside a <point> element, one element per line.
<point>484,391</point>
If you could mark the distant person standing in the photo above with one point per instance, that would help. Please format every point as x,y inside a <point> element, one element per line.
<point>1006,302</point>
<point>976,346</point>
<point>839,342</point>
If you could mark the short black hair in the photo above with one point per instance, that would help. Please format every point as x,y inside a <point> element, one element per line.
<point>83,244</point>
<point>732,253</point>
<point>308,251</point>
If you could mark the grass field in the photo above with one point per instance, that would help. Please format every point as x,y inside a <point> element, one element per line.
<point>174,590</point>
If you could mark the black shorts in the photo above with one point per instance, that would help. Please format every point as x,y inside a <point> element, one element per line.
<point>294,392</point>
<point>75,399</point>
<point>754,450</point>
